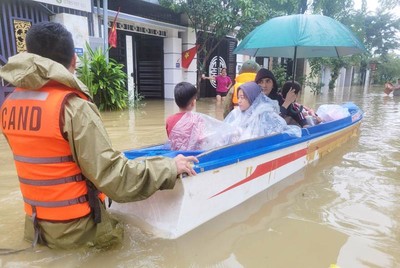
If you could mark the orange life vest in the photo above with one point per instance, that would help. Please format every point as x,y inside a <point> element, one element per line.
<point>239,80</point>
<point>52,185</point>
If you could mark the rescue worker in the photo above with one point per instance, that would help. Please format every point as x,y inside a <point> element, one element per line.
<point>247,73</point>
<point>63,155</point>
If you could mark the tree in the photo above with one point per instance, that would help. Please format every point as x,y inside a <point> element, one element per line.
<point>381,32</point>
<point>388,68</point>
<point>287,7</point>
<point>213,20</point>
<point>390,3</point>
<point>336,9</point>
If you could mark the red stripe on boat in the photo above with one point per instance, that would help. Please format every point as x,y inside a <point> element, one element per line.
<point>267,167</point>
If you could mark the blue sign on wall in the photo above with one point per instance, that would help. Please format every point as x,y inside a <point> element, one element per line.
<point>79,51</point>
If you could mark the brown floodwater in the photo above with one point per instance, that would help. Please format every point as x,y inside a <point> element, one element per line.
<point>343,210</point>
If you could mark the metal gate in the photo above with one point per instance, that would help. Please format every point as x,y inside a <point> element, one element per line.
<point>150,66</point>
<point>16,18</point>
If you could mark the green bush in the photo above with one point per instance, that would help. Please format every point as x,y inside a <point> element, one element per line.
<point>106,81</point>
<point>280,74</point>
<point>316,87</point>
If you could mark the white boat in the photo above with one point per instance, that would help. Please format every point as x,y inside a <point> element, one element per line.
<point>229,175</point>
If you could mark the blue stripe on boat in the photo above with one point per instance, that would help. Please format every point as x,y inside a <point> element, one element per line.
<point>227,155</point>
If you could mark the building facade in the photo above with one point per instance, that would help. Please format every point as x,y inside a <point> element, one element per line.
<point>150,39</point>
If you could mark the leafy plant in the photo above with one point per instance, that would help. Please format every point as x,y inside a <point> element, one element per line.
<point>280,74</point>
<point>316,87</point>
<point>106,81</point>
<point>387,69</point>
<point>312,80</point>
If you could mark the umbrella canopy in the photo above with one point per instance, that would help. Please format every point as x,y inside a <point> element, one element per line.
<point>300,36</point>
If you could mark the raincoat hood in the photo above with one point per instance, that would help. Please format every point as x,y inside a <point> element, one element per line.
<point>265,73</point>
<point>31,71</point>
<point>251,90</point>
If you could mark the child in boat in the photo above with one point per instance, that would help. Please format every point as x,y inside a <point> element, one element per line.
<point>188,130</point>
<point>295,113</point>
<point>184,126</point>
<point>257,115</point>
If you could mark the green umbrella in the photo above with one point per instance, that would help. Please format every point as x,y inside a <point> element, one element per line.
<point>300,36</point>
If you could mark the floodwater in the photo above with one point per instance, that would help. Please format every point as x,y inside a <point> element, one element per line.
<point>343,211</point>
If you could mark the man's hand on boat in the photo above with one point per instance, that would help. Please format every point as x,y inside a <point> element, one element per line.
<point>184,164</point>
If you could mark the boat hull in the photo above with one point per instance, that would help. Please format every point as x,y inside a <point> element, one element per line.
<point>231,175</point>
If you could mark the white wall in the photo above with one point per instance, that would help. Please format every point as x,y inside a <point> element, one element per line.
<point>77,25</point>
<point>129,69</point>
<point>349,76</point>
<point>340,82</point>
<point>172,65</point>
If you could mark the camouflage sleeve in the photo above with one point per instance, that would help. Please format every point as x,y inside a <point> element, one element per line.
<point>110,171</point>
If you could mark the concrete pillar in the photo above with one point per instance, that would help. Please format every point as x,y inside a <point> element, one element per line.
<point>129,69</point>
<point>349,75</point>
<point>326,77</point>
<point>172,65</point>
<point>240,59</point>
<point>341,78</point>
<point>367,78</point>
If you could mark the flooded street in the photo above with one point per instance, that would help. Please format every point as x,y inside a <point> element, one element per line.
<point>343,210</point>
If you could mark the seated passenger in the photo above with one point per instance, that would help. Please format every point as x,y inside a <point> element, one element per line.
<point>267,81</point>
<point>257,115</point>
<point>179,131</point>
<point>295,113</point>
<point>188,130</point>
<point>247,73</point>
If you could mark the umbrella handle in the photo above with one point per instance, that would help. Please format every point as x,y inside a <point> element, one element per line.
<point>294,64</point>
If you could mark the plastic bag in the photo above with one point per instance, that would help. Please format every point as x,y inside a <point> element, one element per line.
<point>196,131</point>
<point>260,119</point>
<point>332,112</point>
